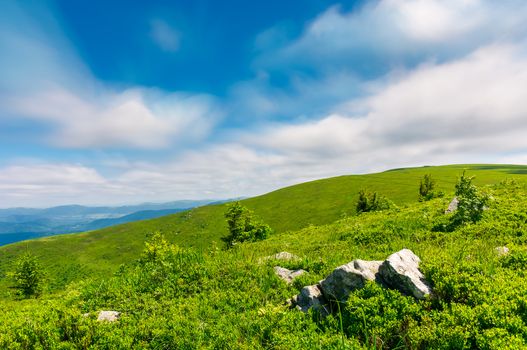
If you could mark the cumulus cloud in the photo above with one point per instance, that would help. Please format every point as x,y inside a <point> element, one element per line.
<point>389,33</point>
<point>136,118</point>
<point>45,81</point>
<point>451,89</point>
<point>47,184</point>
<point>463,109</point>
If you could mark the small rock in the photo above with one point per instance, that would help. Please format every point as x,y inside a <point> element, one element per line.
<point>288,275</point>
<point>452,207</point>
<point>501,251</point>
<point>110,316</point>
<point>283,256</point>
<point>346,278</point>
<point>401,271</point>
<point>311,297</point>
<point>279,256</point>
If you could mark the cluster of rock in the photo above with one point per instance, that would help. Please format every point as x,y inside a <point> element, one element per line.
<point>399,271</point>
<point>288,275</point>
<point>452,206</point>
<point>105,316</point>
<point>285,274</point>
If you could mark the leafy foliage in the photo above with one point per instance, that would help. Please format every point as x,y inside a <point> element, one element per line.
<point>471,202</point>
<point>28,276</point>
<point>243,226</point>
<point>427,188</point>
<point>371,201</point>
<point>174,297</point>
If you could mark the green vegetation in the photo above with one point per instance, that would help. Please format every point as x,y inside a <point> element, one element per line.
<point>471,202</point>
<point>371,201</point>
<point>28,276</point>
<point>172,296</point>
<point>95,254</point>
<point>427,188</point>
<point>243,226</point>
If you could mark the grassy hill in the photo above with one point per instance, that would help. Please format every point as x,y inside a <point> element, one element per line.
<point>99,253</point>
<point>188,299</point>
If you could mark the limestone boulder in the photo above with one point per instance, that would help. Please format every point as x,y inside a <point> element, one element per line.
<point>311,297</point>
<point>452,207</point>
<point>347,278</point>
<point>288,275</point>
<point>401,271</point>
<point>108,316</point>
<point>284,256</point>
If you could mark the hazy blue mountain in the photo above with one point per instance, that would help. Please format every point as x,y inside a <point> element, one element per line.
<point>18,224</point>
<point>140,215</point>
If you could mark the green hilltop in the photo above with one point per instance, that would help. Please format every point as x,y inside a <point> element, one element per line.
<point>196,296</point>
<point>99,253</point>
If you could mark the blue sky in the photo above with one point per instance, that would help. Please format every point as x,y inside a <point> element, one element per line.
<point>112,102</point>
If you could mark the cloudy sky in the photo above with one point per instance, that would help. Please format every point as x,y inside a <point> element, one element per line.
<point>113,102</point>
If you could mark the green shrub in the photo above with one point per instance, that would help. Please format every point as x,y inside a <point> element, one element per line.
<point>243,226</point>
<point>471,203</point>
<point>427,189</point>
<point>371,201</point>
<point>28,276</point>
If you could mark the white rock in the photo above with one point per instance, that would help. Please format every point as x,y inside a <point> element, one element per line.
<point>311,297</point>
<point>288,275</point>
<point>282,256</point>
<point>452,207</point>
<point>110,316</point>
<point>401,271</point>
<point>346,278</point>
<point>501,251</point>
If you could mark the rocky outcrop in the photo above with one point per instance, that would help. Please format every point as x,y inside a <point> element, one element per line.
<point>452,207</point>
<point>285,256</point>
<point>108,316</point>
<point>288,275</point>
<point>346,278</point>
<point>401,271</point>
<point>311,297</point>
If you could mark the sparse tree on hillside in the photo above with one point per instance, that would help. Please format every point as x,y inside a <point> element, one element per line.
<point>28,276</point>
<point>471,202</point>
<point>426,188</point>
<point>371,201</point>
<point>243,226</point>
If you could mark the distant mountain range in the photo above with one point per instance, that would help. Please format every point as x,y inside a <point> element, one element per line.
<point>18,224</point>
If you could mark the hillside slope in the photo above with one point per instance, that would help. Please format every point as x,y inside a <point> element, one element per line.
<point>99,253</point>
<point>186,299</point>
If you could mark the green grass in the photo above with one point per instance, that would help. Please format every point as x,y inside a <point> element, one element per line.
<point>99,253</point>
<point>229,300</point>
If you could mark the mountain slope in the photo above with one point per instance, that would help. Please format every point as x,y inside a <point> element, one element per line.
<point>99,253</point>
<point>181,298</point>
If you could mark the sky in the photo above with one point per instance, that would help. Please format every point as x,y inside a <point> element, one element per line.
<point>122,102</point>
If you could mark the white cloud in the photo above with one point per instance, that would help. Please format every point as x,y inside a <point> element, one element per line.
<point>463,102</point>
<point>47,82</point>
<point>466,109</point>
<point>135,118</point>
<point>38,185</point>
<point>388,33</point>
<point>166,37</point>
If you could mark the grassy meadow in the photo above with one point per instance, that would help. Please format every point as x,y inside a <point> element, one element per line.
<point>196,295</point>
<point>99,253</point>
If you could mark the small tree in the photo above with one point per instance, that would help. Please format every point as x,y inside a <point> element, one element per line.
<point>28,276</point>
<point>243,226</point>
<point>426,188</point>
<point>471,203</point>
<point>371,201</point>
